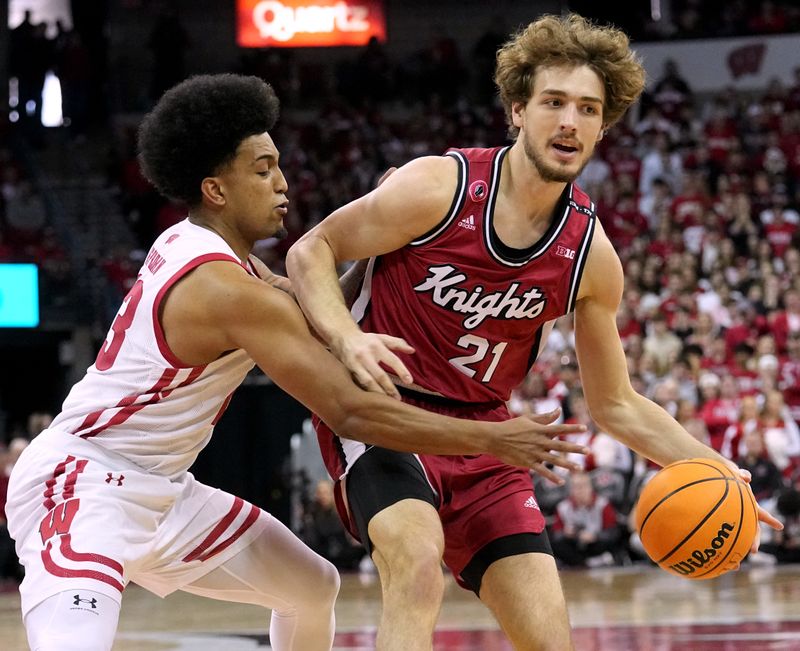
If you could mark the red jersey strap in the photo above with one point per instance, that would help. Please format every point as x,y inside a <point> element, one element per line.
<point>472,190</point>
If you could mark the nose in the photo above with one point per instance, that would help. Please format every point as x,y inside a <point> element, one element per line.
<point>569,118</point>
<point>281,185</point>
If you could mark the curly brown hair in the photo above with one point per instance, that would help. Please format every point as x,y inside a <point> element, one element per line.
<point>570,40</point>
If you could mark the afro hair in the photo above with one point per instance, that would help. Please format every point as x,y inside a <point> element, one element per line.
<point>196,128</point>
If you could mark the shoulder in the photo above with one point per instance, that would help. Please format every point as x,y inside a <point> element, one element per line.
<point>221,292</point>
<point>426,174</point>
<point>218,307</point>
<point>421,191</point>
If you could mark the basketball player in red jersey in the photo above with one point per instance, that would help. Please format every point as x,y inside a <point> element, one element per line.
<point>104,496</point>
<point>475,254</point>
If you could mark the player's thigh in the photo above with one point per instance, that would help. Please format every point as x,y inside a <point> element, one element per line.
<point>394,507</point>
<point>410,526</point>
<point>525,595</point>
<point>73,620</point>
<point>275,570</point>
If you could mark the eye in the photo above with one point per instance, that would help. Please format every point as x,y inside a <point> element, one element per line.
<point>267,173</point>
<point>554,102</point>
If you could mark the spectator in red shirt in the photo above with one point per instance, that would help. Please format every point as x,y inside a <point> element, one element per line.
<point>742,368</point>
<point>624,223</point>
<point>780,234</point>
<point>719,408</point>
<point>789,375</point>
<point>781,433</point>
<point>623,159</point>
<point>769,19</point>
<point>733,444</point>
<point>627,324</point>
<point>721,133</point>
<point>787,320</point>
<point>690,205</point>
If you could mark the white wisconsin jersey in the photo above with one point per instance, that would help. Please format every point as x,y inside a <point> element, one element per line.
<point>138,400</point>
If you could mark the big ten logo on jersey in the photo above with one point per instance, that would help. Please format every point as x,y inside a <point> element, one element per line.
<point>564,252</point>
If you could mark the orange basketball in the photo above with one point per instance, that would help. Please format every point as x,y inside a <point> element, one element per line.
<point>696,518</point>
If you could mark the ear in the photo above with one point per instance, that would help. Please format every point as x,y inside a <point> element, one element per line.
<point>212,191</point>
<point>517,110</point>
<point>602,133</point>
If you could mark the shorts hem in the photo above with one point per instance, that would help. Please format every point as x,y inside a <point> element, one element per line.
<point>502,533</point>
<point>165,588</point>
<point>29,603</point>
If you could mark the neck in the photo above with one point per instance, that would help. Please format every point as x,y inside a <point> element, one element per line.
<point>521,183</point>
<point>232,238</point>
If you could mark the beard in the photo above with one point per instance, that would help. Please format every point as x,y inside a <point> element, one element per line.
<point>550,173</point>
<point>281,233</point>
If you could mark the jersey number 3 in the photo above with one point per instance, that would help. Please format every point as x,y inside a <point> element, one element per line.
<point>108,353</point>
<point>482,349</point>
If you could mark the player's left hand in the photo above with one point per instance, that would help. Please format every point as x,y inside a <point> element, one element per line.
<point>763,515</point>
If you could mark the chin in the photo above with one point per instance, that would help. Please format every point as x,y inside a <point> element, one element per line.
<point>280,233</point>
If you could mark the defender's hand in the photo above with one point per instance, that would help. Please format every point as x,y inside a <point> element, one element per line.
<point>531,442</point>
<point>763,515</point>
<point>363,355</point>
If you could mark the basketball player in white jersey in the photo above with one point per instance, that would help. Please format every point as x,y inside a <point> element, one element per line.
<point>104,496</point>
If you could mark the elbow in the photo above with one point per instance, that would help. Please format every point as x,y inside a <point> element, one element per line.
<point>349,419</point>
<point>295,257</point>
<point>609,416</point>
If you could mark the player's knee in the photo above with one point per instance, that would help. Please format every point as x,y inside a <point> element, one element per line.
<point>412,556</point>
<point>319,590</point>
<point>416,568</point>
<point>328,584</point>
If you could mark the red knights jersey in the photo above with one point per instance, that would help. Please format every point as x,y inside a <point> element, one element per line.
<point>476,310</point>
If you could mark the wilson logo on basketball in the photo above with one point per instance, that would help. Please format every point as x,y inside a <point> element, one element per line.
<point>700,558</point>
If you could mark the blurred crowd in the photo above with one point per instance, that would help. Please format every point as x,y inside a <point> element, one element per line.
<point>700,195</point>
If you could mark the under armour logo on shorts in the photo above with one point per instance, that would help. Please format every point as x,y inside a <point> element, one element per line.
<point>111,478</point>
<point>92,602</point>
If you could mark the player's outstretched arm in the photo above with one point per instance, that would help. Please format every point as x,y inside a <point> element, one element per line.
<point>230,309</point>
<point>614,405</point>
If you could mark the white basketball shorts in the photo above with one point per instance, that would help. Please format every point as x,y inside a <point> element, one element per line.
<point>87,519</point>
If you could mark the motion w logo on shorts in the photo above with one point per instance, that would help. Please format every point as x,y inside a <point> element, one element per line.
<point>56,528</point>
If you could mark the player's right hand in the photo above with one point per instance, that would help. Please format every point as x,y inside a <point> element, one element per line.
<point>367,355</point>
<point>531,442</point>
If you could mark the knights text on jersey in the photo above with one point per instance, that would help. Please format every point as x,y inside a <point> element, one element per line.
<point>476,310</point>
<point>138,400</point>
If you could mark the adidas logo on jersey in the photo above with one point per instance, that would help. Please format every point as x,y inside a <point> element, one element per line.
<point>530,503</point>
<point>468,223</point>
